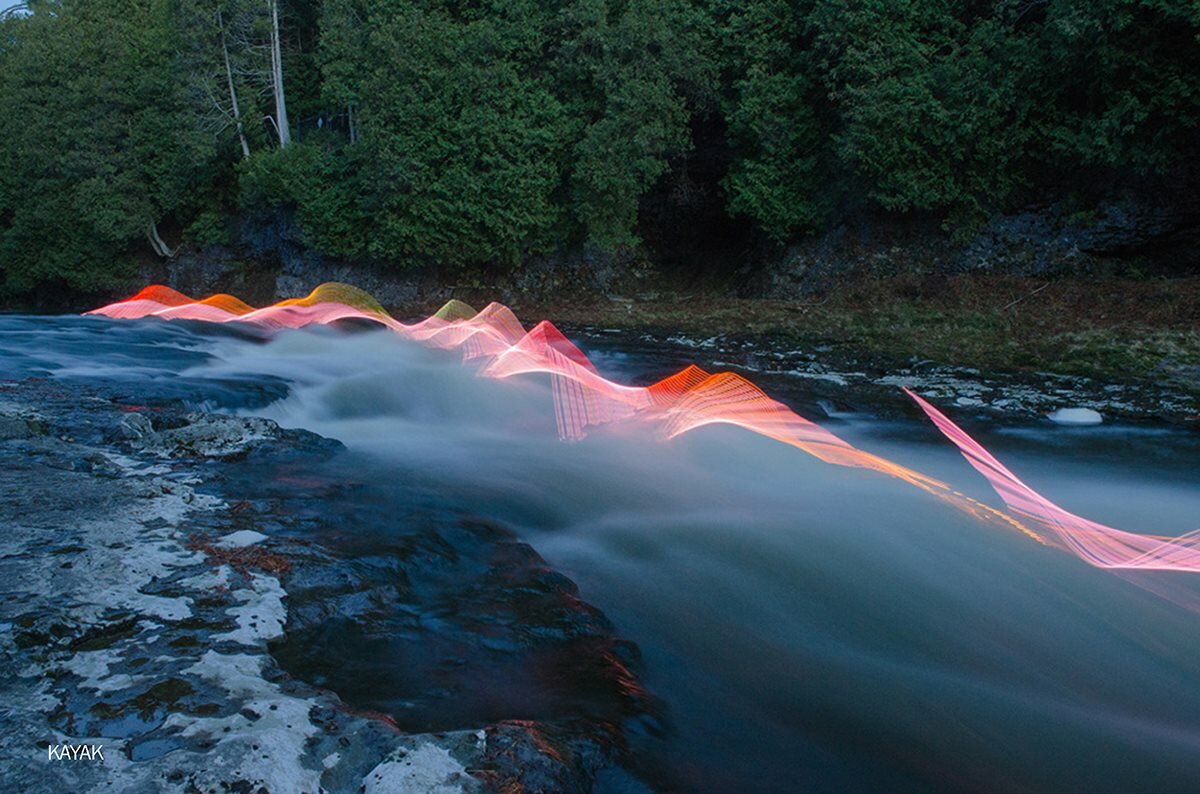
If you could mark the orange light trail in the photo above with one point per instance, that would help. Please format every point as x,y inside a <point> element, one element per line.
<point>682,402</point>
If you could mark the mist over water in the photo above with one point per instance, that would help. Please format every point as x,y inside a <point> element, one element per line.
<point>806,626</point>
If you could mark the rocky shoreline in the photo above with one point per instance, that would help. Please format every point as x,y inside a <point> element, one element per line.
<point>830,382</point>
<point>1017,346</point>
<point>156,569</point>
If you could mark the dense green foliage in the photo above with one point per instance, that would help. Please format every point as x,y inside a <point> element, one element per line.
<point>96,144</point>
<point>465,132</point>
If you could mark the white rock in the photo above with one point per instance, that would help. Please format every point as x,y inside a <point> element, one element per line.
<point>243,537</point>
<point>426,770</point>
<point>1076,416</point>
<point>261,615</point>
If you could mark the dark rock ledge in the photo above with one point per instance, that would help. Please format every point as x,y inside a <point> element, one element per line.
<point>140,604</point>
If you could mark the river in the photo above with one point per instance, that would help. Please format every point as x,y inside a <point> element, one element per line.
<point>801,626</point>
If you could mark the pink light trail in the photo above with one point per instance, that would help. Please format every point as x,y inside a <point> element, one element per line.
<point>682,402</point>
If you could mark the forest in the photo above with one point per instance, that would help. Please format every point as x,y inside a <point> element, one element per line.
<point>406,132</point>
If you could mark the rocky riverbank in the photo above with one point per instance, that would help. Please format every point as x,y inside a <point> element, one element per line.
<point>1099,308</point>
<point>826,380</point>
<point>1017,323</point>
<point>164,578</point>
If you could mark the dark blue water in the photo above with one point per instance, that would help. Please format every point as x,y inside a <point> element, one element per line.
<point>803,626</point>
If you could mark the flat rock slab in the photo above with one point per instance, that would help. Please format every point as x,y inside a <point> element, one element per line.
<point>139,606</point>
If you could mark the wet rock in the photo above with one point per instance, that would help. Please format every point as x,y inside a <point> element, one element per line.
<point>423,766</point>
<point>136,427</point>
<point>14,427</point>
<point>1075,416</point>
<point>514,755</point>
<point>808,376</point>
<point>240,539</point>
<point>17,422</point>
<point>144,624</point>
<point>473,613</point>
<point>209,436</point>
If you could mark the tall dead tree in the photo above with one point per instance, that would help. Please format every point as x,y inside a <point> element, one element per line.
<point>235,109</point>
<point>157,243</point>
<point>352,123</point>
<point>235,52</point>
<point>281,118</point>
<point>218,38</point>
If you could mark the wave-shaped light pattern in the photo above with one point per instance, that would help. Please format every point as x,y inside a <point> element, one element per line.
<point>689,399</point>
<point>1103,546</point>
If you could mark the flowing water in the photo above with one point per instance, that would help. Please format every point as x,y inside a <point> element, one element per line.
<point>803,626</point>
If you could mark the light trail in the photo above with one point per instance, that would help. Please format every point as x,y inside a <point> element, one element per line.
<point>682,402</point>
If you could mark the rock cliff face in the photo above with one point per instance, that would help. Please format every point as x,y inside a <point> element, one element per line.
<point>1039,241</point>
<point>273,263</point>
<point>1137,232</point>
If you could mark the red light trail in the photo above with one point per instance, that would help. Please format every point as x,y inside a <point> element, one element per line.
<point>689,399</point>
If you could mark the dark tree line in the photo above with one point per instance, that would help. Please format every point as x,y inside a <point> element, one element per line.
<point>411,131</point>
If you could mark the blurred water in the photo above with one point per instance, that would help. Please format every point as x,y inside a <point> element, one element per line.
<point>808,627</point>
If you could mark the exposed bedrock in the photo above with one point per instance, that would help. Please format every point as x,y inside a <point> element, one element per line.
<point>194,592</point>
<point>1148,230</point>
<point>1037,241</point>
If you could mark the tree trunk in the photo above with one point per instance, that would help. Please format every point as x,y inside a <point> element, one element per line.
<point>156,241</point>
<point>281,117</point>
<point>237,113</point>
